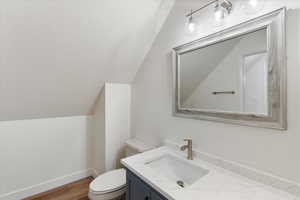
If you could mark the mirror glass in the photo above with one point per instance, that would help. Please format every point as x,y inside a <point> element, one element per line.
<point>228,76</point>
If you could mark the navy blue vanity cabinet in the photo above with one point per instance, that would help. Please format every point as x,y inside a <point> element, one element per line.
<point>139,190</point>
<point>156,196</point>
<point>136,188</point>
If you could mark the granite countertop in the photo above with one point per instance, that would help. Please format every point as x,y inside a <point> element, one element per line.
<point>218,184</point>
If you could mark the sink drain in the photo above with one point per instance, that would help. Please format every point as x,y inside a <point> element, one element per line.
<point>180,183</point>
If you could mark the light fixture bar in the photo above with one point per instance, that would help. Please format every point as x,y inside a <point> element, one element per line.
<point>206,5</point>
<point>225,4</point>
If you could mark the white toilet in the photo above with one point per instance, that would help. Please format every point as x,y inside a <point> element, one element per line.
<point>112,184</point>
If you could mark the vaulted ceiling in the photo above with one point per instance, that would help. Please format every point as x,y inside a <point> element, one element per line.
<point>55,55</point>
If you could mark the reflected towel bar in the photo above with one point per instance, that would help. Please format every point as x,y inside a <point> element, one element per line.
<point>223,92</point>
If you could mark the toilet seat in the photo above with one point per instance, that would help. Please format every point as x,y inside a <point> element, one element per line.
<point>109,182</point>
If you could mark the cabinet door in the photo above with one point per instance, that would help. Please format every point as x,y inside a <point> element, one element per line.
<point>156,196</point>
<point>136,189</point>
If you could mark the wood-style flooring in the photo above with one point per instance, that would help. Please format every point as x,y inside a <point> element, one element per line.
<point>73,191</point>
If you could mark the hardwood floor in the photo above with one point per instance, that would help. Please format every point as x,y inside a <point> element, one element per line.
<point>73,191</point>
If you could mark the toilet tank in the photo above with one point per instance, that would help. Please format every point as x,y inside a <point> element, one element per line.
<point>134,146</point>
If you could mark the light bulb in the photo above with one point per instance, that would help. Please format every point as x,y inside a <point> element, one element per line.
<point>253,3</point>
<point>219,13</point>
<point>253,6</point>
<point>191,25</point>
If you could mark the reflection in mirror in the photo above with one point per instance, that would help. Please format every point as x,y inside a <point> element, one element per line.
<point>228,76</point>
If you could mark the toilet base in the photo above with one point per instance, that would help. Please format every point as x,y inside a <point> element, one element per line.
<point>123,197</point>
<point>117,195</point>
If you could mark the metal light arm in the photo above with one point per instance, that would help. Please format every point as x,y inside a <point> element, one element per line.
<point>224,3</point>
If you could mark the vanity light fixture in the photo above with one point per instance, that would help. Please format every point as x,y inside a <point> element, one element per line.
<point>221,7</point>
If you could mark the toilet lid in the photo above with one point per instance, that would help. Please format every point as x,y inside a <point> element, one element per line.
<point>109,181</point>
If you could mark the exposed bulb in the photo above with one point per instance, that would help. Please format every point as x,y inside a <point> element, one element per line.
<point>191,25</point>
<point>219,13</point>
<point>253,3</point>
<point>253,6</point>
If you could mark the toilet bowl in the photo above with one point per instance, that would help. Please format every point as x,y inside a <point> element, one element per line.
<point>109,185</point>
<point>112,184</point>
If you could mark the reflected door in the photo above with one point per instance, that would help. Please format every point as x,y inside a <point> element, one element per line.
<point>255,80</point>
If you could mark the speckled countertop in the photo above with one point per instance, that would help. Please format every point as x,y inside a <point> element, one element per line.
<point>218,184</point>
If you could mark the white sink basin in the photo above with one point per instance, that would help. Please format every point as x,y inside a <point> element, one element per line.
<point>182,172</point>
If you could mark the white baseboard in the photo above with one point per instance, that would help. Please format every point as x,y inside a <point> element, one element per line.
<point>94,173</point>
<point>48,185</point>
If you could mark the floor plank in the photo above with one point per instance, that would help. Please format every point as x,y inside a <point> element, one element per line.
<point>77,190</point>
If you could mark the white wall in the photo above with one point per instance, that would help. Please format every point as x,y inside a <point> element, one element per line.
<point>42,153</point>
<point>273,151</point>
<point>118,100</point>
<point>111,126</point>
<point>98,134</point>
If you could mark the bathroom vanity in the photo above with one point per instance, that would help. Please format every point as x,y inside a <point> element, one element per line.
<point>165,173</point>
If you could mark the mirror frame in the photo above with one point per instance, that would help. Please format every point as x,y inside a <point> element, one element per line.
<point>275,24</point>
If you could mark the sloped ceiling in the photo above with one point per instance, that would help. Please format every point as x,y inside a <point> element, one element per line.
<point>57,54</point>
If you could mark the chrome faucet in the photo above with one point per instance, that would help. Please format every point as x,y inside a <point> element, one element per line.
<point>189,147</point>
